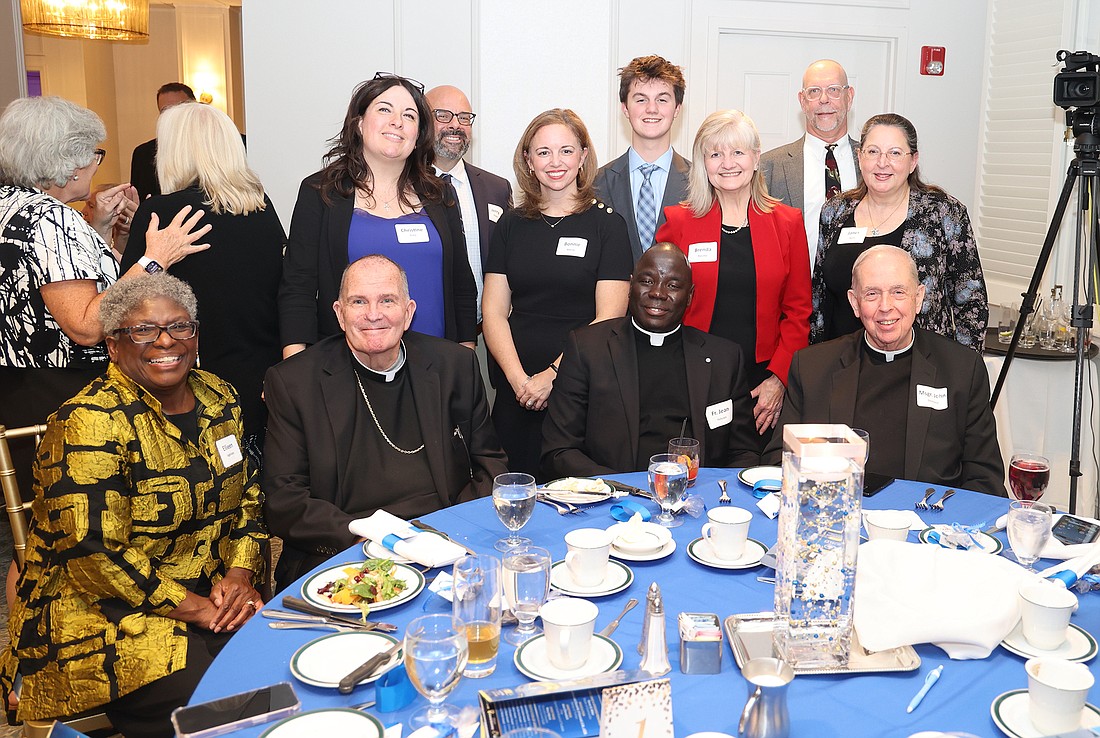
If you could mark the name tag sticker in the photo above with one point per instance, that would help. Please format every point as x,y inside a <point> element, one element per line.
<point>852,235</point>
<point>719,414</point>
<point>933,397</point>
<point>411,233</point>
<point>495,211</point>
<point>707,251</point>
<point>571,246</point>
<point>229,451</point>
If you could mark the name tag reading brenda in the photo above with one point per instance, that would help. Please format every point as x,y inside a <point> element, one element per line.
<point>229,451</point>
<point>852,235</point>
<point>411,233</point>
<point>572,246</point>
<point>707,251</point>
<point>933,397</point>
<point>495,211</point>
<point>719,414</point>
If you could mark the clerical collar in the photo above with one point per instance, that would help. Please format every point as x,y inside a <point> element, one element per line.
<point>387,375</point>
<point>891,355</point>
<point>655,339</point>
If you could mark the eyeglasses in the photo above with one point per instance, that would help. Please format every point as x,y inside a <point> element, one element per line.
<point>143,334</point>
<point>832,91</point>
<point>873,152</point>
<point>446,116</point>
<point>410,80</point>
<point>99,154</point>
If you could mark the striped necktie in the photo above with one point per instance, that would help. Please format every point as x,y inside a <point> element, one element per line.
<point>647,207</point>
<point>832,173</point>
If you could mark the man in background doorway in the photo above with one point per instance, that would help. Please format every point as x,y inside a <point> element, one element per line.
<point>143,163</point>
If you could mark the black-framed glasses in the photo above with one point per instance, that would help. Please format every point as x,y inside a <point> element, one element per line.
<point>446,116</point>
<point>410,80</point>
<point>99,154</point>
<point>145,333</point>
<point>833,92</point>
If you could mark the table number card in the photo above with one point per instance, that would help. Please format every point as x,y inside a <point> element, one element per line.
<point>637,710</point>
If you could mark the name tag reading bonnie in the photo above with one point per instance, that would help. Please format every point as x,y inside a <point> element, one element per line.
<point>411,233</point>
<point>229,451</point>
<point>933,397</point>
<point>495,211</point>
<point>719,414</point>
<point>852,235</point>
<point>707,251</point>
<point>572,246</point>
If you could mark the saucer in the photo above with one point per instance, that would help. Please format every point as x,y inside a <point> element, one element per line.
<point>753,474</point>
<point>1079,645</point>
<point>324,661</point>
<point>701,552</point>
<point>335,721</point>
<point>532,661</point>
<point>646,538</point>
<point>662,552</point>
<point>986,543</point>
<point>617,578</point>
<point>1010,713</point>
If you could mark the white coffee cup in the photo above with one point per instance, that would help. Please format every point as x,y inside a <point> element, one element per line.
<point>568,622</point>
<point>586,558</point>
<point>727,531</point>
<point>1057,691</point>
<point>1046,608</point>
<point>889,525</point>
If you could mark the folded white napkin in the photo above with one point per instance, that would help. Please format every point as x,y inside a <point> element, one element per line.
<point>915,521</point>
<point>962,601</point>
<point>426,549</point>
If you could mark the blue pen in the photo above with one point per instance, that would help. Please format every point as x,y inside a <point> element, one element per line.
<point>932,678</point>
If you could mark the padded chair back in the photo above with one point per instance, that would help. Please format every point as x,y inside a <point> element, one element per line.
<point>13,502</point>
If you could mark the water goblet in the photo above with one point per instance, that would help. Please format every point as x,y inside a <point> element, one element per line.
<point>435,656</point>
<point>688,451</point>
<point>526,587</point>
<point>514,501</point>
<point>668,478</point>
<point>1028,476</point>
<point>1028,530</point>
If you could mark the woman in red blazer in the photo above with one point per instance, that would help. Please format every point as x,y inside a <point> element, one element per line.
<point>748,258</point>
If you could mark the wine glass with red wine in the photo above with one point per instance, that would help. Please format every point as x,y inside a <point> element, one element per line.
<point>1028,476</point>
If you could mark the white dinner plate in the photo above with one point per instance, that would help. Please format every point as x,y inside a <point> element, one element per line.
<point>1079,645</point>
<point>663,552</point>
<point>699,550</point>
<point>532,661</point>
<point>617,578</point>
<point>600,491</point>
<point>987,543</point>
<point>1010,713</point>
<point>336,721</point>
<point>412,578</point>
<point>645,538</point>
<point>754,474</point>
<point>324,661</point>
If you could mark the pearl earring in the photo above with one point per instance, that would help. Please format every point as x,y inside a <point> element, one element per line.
<point>75,177</point>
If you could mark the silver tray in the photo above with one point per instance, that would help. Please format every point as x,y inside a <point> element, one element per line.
<point>750,637</point>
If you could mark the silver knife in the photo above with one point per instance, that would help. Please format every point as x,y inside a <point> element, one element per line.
<point>348,683</point>
<point>606,632</point>
<point>424,526</point>
<point>293,625</point>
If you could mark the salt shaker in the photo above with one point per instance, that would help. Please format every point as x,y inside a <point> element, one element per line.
<point>653,593</point>
<point>655,654</point>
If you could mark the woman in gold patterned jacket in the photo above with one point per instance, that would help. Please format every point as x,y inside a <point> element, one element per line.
<point>146,531</point>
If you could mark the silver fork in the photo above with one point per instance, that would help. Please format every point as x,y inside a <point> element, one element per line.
<point>563,508</point>
<point>938,506</point>
<point>923,504</point>
<point>725,498</point>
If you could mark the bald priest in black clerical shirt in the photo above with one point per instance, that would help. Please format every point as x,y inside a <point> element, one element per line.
<point>625,386</point>
<point>376,417</point>
<point>922,398</point>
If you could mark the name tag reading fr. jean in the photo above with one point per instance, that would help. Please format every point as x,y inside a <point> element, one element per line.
<point>700,252</point>
<point>719,414</point>
<point>411,233</point>
<point>933,397</point>
<point>229,451</point>
<point>572,246</point>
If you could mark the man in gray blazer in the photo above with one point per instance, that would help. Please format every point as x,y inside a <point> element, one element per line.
<point>797,172</point>
<point>650,176</point>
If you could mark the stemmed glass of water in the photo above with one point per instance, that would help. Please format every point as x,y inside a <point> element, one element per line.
<point>526,587</point>
<point>1028,530</point>
<point>514,501</point>
<point>436,652</point>
<point>668,481</point>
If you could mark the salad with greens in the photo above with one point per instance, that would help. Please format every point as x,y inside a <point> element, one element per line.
<point>372,581</point>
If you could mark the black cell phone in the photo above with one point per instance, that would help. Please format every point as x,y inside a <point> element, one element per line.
<point>1070,530</point>
<point>875,483</point>
<point>228,714</point>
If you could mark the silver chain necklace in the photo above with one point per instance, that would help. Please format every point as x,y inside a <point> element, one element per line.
<point>378,425</point>
<point>553,225</point>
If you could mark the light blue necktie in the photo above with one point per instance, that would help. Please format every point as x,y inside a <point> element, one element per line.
<point>647,207</point>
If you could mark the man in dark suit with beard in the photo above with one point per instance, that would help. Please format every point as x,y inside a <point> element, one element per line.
<point>626,385</point>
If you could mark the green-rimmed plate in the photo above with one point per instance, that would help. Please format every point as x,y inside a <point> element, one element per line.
<point>413,579</point>
<point>1010,712</point>
<point>338,721</point>
<point>986,543</point>
<point>1079,645</point>
<point>531,659</point>
<point>324,661</point>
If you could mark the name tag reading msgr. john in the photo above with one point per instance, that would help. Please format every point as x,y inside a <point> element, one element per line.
<point>933,397</point>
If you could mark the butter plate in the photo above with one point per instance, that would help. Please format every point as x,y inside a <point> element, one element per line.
<point>558,491</point>
<point>1010,713</point>
<point>639,538</point>
<point>661,553</point>
<point>532,661</point>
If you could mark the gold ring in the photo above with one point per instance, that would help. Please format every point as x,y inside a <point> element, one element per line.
<point>252,604</point>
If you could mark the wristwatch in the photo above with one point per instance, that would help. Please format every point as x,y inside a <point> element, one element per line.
<point>149,265</point>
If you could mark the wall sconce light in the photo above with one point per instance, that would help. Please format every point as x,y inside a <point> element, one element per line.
<point>206,98</point>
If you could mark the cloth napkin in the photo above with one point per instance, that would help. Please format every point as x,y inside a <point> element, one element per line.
<point>399,536</point>
<point>961,601</point>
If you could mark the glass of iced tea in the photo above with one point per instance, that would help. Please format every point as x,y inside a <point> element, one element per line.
<point>688,451</point>
<point>477,603</point>
<point>1028,476</point>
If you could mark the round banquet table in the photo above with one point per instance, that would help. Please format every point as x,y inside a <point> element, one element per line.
<point>871,705</point>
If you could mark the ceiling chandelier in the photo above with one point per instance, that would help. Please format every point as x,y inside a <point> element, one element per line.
<point>114,20</point>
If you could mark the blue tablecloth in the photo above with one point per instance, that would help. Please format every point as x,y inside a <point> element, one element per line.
<point>870,705</point>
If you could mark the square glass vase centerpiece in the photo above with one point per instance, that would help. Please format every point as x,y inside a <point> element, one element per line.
<point>819,520</point>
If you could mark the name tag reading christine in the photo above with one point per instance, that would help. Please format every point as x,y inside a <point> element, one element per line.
<point>933,397</point>
<point>412,233</point>
<point>707,251</point>
<point>852,235</point>
<point>495,211</point>
<point>572,246</point>
<point>719,414</point>
<point>229,451</point>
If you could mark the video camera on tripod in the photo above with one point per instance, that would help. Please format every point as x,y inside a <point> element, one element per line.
<point>1077,90</point>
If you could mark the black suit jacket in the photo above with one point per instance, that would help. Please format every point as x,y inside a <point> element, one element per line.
<point>783,171</point>
<point>317,253</point>
<point>613,187</point>
<point>308,499</point>
<point>592,424</point>
<point>956,446</point>
<point>143,169</point>
<point>488,189</point>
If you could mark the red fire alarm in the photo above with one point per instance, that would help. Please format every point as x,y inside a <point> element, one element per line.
<point>931,60</point>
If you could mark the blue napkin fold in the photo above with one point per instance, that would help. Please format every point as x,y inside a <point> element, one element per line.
<point>764,487</point>
<point>393,690</point>
<point>624,510</point>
